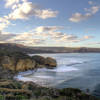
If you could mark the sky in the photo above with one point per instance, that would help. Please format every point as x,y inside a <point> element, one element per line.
<point>68,23</point>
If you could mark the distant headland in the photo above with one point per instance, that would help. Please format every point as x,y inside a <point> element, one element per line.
<point>35,49</point>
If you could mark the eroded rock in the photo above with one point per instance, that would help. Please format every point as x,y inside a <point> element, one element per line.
<point>50,62</point>
<point>25,64</point>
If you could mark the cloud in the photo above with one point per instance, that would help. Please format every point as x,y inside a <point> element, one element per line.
<point>27,9</point>
<point>47,28</point>
<point>41,36</point>
<point>77,17</point>
<point>26,39</point>
<point>93,10</point>
<point>5,36</point>
<point>67,38</point>
<point>88,37</point>
<point>47,13</point>
<point>22,12</point>
<point>11,2</point>
<point>4,23</point>
<point>90,2</point>
<point>93,43</point>
<point>53,33</point>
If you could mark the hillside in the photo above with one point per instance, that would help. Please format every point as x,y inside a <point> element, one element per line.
<point>17,47</point>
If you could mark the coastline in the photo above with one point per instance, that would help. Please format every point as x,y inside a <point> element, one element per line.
<point>11,88</point>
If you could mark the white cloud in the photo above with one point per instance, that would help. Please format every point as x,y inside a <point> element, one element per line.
<point>77,17</point>
<point>47,34</point>
<point>47,13</point>
<point>4,23</point>
<point>95,9</point>
<point>11,2</point>
<point>27,9</point>
<point>26,39</point>
<point>91,2</point>
<point>4,36</point>
<point>94,43</point>
<point>53,33</point>
<point>47,28</point>
<point>88,37</point>
<point>22,11</point>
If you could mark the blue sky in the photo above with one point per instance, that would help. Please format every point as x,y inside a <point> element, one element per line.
<point>70,23</point>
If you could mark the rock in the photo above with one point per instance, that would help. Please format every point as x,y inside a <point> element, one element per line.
<point>43,62</point>
<point>29,86</point>
<point>50,62</point>
<point>39,59</point>
<point>14,64</point>
<point>6,74</point>
<point>9,84</point>
<point>40,66</point>
<point>18,61</point>
<point>25,64</point>
<point>8,63</point>
<point>10,88</point>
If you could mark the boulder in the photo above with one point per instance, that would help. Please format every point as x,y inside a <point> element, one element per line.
<point>25,64</point>
<point>42,62</point>
<point>50,62</point>
<point>39,59</point>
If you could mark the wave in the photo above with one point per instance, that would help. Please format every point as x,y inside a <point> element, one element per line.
<point>75,63</point>
<point>65,69</point>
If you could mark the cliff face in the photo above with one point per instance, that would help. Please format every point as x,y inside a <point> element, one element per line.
<point>25,64</point>
<point>18,61</point>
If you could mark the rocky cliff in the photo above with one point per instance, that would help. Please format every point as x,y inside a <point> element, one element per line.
<point>17,61</point>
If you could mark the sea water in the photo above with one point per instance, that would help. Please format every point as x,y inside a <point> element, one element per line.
<point>76,70</point>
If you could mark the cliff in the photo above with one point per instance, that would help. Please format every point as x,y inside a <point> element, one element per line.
<point>17,61</point>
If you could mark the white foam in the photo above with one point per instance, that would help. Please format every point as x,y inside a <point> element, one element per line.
<point>65,69</point>
<point>21,78</point>
<point>43,77</point>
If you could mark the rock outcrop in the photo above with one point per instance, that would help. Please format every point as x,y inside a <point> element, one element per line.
<point>17,62</point>
<point>50,62</point>
<point>13,64</point>
<point>25,64</point>
<point>46,62</point>
<point>8,63</point>
<point>39,59</point>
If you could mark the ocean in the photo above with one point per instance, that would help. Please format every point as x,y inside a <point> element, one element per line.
<point>75,70</point>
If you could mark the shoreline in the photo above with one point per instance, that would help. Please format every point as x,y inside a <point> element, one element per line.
<point>44,87</point>
<point>13,63</point>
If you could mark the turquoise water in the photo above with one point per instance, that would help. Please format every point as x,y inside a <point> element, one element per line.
<point>77,70</point>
